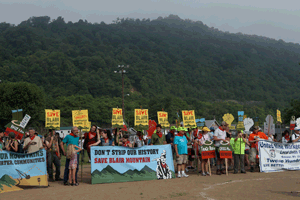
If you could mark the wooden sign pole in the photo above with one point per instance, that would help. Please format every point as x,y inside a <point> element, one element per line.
<point>226,165</point>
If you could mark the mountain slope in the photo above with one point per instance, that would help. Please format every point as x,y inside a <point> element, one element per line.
<point>168,57</point>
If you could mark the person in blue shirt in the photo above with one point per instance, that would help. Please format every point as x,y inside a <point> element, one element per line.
<point>181,150</point>
<point>71,139</point>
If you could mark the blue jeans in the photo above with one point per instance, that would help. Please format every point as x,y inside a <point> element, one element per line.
<point>66,174</point>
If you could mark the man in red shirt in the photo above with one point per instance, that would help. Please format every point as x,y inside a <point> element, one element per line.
<point>253,140</point>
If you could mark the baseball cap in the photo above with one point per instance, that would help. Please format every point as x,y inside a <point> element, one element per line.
<point>297,129</point>
<point>180,129</point>
<point>185,129</point>
<point>206,129</point>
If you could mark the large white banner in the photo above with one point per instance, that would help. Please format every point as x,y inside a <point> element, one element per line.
<point>274,157</point>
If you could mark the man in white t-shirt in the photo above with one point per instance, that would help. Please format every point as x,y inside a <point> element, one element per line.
<point>219,136</point>
<point>296,135</point>
<point>33,143</point>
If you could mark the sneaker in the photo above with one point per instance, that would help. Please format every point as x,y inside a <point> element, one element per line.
<point>223,171</point>
<point>179,176</point>
<point>192,167</point>
<point>252,169</point>
<point>207,173</point>
<point>185,175</point>
<point>186,169</point>
<point>66,183</point>
<point>218,172</point>
<point>203,174</point>
<point>243,172</point>
<point>76,184</point>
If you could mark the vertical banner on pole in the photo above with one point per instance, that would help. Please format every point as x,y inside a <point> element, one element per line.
<point>80,118</point>
<point>163,119</point>
<point>141,119</point>
<point>189,119</point>
<point>117,118</point>
<point>279,116</point>
<point>52,119</point>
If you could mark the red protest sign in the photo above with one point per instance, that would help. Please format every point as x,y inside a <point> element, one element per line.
<point>208,154</point>
<point>152,127</point>
<point>225,154</point>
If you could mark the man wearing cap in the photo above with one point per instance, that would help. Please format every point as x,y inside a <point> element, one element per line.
<point>158,138</point>
<point>296,135</point>
<point>180,142</point>
<point>32,143</point>
<point>253,140</point>
<point>220,136</point>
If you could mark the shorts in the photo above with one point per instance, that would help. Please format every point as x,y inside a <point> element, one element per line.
<point>182,159</point>
<point>247,151</point>
<point>72,166</point>
<point>252,156</point>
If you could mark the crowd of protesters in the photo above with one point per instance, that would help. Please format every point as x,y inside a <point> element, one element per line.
<point>244,147</point>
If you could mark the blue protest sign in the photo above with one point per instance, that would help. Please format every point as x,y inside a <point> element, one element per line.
<point>121,164</point>
<point>19,170</point>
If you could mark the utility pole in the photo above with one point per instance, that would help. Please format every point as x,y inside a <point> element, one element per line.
<point>122,71</point>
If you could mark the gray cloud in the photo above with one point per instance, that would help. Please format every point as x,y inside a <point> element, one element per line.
<point>278,19</point>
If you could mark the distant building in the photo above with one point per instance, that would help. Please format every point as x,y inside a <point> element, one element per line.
<point>212,123</point>
<point>64,131</point>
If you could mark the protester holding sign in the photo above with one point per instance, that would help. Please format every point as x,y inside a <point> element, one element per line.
<point>72,138</point>
<point>220,135</point>
<point>181,150</point>
<point>296,135</point>
<point>158,138</point>
<point>253,139</point>
<point>205,137</point>
<point>90,138</point>
<point>239,152</point>
<point>32,143</point>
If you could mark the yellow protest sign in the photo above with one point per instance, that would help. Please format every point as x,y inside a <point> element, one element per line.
<point>52,119</point>
<point>141,119</point>
<point>117,118</point>
<point>279,116</point>
<point>80,118</point>
<point>163,119</point>
<point>228,118</point>
<point>188,117</point>
<point>87,129</point>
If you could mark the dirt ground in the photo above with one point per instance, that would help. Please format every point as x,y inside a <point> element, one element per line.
<point>278,185</point>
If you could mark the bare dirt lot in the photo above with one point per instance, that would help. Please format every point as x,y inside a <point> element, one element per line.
<point>278,185</point>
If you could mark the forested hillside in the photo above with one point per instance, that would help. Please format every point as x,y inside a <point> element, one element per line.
<point>174,64</point>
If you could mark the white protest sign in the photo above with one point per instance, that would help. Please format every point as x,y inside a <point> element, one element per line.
<point>25,121</point>
<point>269,126</point>
<point>248,123</point>
<point>298,121</point>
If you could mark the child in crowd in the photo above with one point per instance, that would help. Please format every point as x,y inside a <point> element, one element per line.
<point>72,155</point>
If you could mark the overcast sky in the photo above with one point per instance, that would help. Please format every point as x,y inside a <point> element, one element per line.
<point>275,19</point>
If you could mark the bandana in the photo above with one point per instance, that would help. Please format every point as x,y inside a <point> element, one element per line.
<point>287,137</point>
<point>179,134</point>
<point>32,138</point>
<point>126,143</point>
<point>72,134</point>
<point>195,133</point>
<point>159,134</point>
<point>105,140</point>
<point>221,128</point>
<point>200,136</point>
<point>141,138</point>
<point>92,135</point>
<point>172,132</point>
<point>164,165</point>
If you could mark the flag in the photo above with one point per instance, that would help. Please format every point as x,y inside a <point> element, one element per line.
<point>279,116</point>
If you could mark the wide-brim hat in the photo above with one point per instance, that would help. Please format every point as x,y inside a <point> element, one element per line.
<point>206,129</point>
